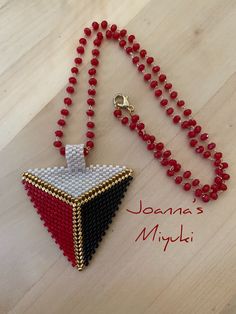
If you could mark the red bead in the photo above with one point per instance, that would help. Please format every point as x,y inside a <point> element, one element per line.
<point>78,60</point>
<point>143,53</point>
<point>158,93</point>
<point>218,155</point>
<point>141,67</point>
<point>205,198</point>
<point>173,95</point>
<point>91,92</point>
<point>74,70</point>
<point>204,136</point>
<point>195,182</point>
<point>225,176</point>
<point>61,122</point>
<point>83,41</point>
<point>223,187</point>
<point>62,151</point>
<point>180,103</point>
<point>100,35</point>
<point>164,102</point>
<point>147,76</point>
<point>178,179</point>
<point>131,38</point>
<point>214,196</point>
<point>145,137</point>
<point>159,146</point>
<point>95,62</point>
<point>224,165</point>
<point>87,31</point>
<point>157,154</point>
<point>187,186</point>
<point>166,153</point>
<point>140,126</point>
<point>176,119</point>
<point>123,32</point>
<point>187,174</point>
<point>184,124</point>
<point>117,113</point>
<point>214,187</point>
<point>90,124</point>
<point>96,53</point>
<point>92,71</point>
<point>153,84</point>
<point>97,42</point>
<point>136,46</point>
<point>95,25</point>
<point>113,27</point>
<point>135,59</point>
<point>177,167</point>
<point>72,80</point>
<point>162,77</point>
<point>80,49</point>
<point>155,69</point>
<point>150,146</point>
<point>191,134</point>
<point>217,163</point>
<point>211,146</point>
<point>206,154</point>
<point>150,60</point>
<point>90,144</point>
<point>59,133</point>
<point>124,120</point>
<point>115,35</point>
<point>57,144</point>
<point>64,112</point>
<point>198,192</point>
<point>67,101</point>
<point>193,143</point>
<point>90,134</point>
<point>92,81</point>
<point>90,113</point>
<point>164,162</point>
<point>135,118</point>
<point>90,101</point>
<point>187,112</point>
<point>206,188</point>
<point>168,86</point>
<point>104,24</point>
<point>132,125</point>
<point>70,89</point>
<point>197,129</point>
<point>218,180</point>
<point>122,43</point>
<point>169,111</point>
<point>108,34</point>
<point>199,149</point>
<point>170,173</point>
<point>152,138</point>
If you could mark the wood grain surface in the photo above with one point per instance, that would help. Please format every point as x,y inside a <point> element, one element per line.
<point>194,43</point>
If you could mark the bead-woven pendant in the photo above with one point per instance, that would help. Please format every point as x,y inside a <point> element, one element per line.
<point>76,202</point>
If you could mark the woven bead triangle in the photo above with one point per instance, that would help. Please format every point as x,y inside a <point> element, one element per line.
<point>77,203</point>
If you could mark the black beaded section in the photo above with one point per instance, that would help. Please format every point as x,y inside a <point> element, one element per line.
<point>97,214</point>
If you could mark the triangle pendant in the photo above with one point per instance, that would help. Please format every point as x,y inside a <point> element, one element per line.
<point>77,203</point>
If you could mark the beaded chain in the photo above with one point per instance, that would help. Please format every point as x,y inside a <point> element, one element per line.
<point>168,99</point>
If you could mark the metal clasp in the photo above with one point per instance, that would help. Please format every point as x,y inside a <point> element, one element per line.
<point>121,101</point>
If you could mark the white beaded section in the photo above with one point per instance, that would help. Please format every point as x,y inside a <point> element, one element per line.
<point>75,157</point>
<point>77,182</point>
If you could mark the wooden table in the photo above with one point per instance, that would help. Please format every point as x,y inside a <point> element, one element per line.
<point>194,42</point>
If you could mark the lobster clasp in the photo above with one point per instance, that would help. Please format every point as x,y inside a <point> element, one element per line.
<point>121,101</point>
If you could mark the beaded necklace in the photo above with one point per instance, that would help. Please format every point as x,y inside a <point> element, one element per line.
<point>77,203</point>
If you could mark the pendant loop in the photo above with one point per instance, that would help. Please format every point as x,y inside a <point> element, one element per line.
<point>75,157</point>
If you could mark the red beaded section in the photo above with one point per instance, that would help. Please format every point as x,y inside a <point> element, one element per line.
<point>57,218</point>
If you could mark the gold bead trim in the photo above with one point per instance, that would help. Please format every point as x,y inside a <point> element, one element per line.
<point>76,203</point>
